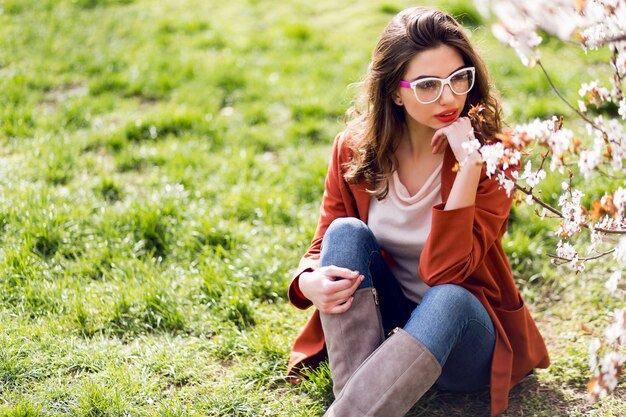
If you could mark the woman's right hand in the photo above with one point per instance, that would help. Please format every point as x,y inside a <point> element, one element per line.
<point>330,288</point>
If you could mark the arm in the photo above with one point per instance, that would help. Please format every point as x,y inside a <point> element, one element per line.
<point>472,219</point>
<point>460,238</point>
<point>463,193</point>
<point>336,203</point>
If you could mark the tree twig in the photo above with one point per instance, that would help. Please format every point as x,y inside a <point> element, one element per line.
<point>607,231</point>
<point>558,93</point>
<point>614,39</point>
<point>590,258</point>
<point>539,201</point>
<point>560,215</point>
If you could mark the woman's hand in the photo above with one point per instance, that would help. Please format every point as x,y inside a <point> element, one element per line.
<point>456,133</point>
<point>463,192</point>
<point>330,288</point>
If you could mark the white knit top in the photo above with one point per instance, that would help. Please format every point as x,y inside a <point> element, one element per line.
<point>401,224</point>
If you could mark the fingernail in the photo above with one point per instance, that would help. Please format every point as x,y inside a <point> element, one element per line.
<point>355,273</point>
<point>361,278</point>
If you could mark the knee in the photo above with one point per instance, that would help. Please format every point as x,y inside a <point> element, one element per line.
<point>451,292</point>
<point>451,298</point>
<point>346,229</point>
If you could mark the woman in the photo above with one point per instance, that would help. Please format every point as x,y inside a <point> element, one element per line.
<point>411,285</point>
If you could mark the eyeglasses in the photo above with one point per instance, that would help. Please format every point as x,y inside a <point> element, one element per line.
<point>428,90</point>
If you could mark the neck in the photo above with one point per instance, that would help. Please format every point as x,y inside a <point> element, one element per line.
<point>417,140</point>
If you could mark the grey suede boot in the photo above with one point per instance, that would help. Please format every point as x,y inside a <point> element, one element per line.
<point>390,381</point>
<point>352,336</point>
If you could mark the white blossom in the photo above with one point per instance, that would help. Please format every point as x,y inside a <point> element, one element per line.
<point>593,92</point>
<point>483,7</point>
<point>492,155</point>
<point>560,18</point>
<point>572,211</point>
<point>622,108</point>
<point>532,178</point>
<point>578,266</point>
<point>588,161</point>
<point>559,142</point>
<point>609,369</point>
<point>619,201</point>
<point>616,136</point>
<point>616,333</point>
<point>595,238</point>
<point>524,43</point>
<point>470,147</point>
<point>566,251</point>
<point>603,19</point>
<point>517,30</point>
<point>594,347</point>
<point>505,183</point>
<point>620,252</point>
<point>620,64</point>
<point>539,130</point>
<point>611,283</point>
<point>514,157</point>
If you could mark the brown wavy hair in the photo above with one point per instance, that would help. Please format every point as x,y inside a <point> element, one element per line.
<point>376,122</point>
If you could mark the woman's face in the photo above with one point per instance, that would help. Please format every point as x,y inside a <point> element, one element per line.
<point>438,62</point>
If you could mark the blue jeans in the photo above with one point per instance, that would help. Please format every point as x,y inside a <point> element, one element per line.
<point>449,320</point>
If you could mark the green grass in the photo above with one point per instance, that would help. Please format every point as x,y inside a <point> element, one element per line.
<point>161,168</point>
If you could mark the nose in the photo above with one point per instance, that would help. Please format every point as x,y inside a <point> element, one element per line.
<point>446,95</point>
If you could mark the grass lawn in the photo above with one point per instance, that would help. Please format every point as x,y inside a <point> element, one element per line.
<point>161,169</point>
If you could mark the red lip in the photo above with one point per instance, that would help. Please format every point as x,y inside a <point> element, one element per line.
<point>450,115</point>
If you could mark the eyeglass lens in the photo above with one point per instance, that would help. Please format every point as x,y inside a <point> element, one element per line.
<point>430,89</point>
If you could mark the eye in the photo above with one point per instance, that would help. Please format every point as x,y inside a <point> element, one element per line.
<point>427,85</point>
<point>461,76</point>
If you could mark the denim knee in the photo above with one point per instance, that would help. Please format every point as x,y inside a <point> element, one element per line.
<point>349,243</point>
<point>451,294</point>
<point>345,230</point>
<point>453,300</point>
<point>443,317</point>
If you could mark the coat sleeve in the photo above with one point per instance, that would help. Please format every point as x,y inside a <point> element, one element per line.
<point>460,239</point>
<point>336,196</point>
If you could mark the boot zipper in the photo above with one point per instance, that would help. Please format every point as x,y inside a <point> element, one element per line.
<point>375,294</point>
<point>394,331</point>
<point>379,317</point>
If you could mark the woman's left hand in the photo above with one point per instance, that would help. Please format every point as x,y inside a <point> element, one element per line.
<point>455,134</point>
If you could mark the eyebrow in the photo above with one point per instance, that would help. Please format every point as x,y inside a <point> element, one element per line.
<point>434,76</point>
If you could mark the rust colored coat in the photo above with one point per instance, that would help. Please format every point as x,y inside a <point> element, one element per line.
<point>464,247</point>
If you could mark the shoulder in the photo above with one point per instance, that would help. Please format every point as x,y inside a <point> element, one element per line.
<point>345,139</point>
<point>343,146</point>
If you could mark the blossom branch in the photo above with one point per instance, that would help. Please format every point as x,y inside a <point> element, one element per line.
<point>608,231</point>
<point>592,25</point>
<point>612,176</point>
<point>558,93</point>
<point>590,258</point>
<point>559,215</point>
<point>539,201</point>
<point>617,77</point>
<point>614,39</point>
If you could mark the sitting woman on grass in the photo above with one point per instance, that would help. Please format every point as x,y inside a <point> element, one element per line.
<point>410,283</point>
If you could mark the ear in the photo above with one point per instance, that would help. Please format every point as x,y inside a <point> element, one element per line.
<point>397,99</point>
